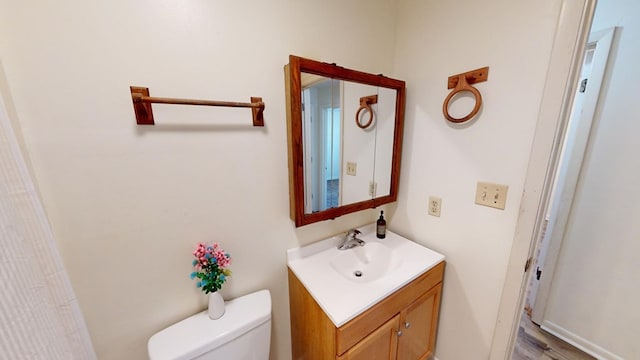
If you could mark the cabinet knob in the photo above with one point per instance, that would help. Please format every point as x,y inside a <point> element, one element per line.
<point>398,332</point>
<point>407,325</point>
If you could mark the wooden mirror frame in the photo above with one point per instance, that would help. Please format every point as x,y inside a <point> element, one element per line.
<point>293,85</point>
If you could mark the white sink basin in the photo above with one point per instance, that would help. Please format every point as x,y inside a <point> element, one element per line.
<point>365,263</point>
<point>345,283</point>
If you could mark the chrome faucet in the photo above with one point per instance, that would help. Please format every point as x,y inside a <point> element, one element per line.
<point>351,240</point>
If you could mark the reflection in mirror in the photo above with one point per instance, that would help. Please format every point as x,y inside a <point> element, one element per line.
<point>328,105</point>
<point>321,126</point>
<point>345,139</point>
<point>359,144</point>
<point>384,150</point>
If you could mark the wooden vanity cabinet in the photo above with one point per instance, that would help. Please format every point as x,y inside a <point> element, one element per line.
<point>401,326</point>
<point>381,344</point>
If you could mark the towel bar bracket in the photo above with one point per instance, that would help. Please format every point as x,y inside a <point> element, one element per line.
<point>142,109</point>
<point>472,77</point>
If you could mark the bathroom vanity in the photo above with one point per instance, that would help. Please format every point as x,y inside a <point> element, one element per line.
<point>377,303</point>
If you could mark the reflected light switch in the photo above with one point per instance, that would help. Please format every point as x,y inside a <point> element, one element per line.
<point>351,168</point>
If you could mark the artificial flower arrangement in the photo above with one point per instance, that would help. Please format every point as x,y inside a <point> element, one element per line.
<point>212,267</point>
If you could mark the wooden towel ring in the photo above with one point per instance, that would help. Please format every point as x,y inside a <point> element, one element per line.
<point>365,103</point>
<point>460,83</point>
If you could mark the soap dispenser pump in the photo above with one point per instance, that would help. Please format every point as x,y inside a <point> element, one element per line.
<point>381,226</point>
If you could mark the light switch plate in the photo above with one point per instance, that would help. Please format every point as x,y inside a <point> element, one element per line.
<point>492,195</point>
<point>373,188</point>
<point>351,168</point>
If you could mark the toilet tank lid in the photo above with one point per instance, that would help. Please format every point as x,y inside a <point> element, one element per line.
<point>198,334</point>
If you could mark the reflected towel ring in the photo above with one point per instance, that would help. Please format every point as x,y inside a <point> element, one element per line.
<point>365,103</point>
<point>460,83</point>
<point>368,123</point>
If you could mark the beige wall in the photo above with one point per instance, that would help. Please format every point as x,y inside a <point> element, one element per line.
<point>437,39</point>
<point>127,203</point>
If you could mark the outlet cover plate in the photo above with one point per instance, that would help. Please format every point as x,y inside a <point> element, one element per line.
<point>492,195</point>
<point>435,204</point>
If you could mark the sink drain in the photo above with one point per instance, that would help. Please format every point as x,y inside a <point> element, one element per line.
<point>357,273</point>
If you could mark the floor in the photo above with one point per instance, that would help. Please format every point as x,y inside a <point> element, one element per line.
<point>333,187</point>
<point>536,344</point>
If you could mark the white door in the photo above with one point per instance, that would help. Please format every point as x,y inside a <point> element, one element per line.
<point>576,299</point>
<point>576,142</point>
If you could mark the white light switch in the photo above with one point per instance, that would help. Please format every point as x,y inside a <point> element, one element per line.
<point>492,195</point>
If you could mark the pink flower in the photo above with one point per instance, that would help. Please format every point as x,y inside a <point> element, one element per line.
<point>211,264</point>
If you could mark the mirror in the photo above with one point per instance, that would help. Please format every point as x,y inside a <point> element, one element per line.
<point>345,139</point>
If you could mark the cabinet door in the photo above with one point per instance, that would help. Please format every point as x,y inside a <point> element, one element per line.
<point>380,344</point>
<point>418,324</point>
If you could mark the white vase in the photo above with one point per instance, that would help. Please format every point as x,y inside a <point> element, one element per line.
<point>216,305</point>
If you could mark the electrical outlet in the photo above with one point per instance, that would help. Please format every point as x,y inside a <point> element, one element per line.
<point>492,195</point>
<point>435,204</point>
<point>351,168</point>
<point>373,188</point>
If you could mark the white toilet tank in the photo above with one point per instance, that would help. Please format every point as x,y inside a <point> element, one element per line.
<point>242,333</point>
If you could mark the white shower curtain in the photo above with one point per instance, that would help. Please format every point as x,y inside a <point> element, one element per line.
<point>39,314</point>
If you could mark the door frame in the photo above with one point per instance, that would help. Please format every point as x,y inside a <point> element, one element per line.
<point>574,23</point>
<point>309,174</point>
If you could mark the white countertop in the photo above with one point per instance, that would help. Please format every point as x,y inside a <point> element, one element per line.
<point>343,299</point>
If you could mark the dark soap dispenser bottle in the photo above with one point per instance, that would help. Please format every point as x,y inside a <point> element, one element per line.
<point>381,226</point>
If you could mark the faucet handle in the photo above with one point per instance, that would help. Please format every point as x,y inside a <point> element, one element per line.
<point>353,232</point>
<point>351,240</point>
